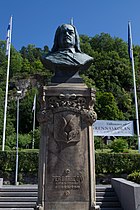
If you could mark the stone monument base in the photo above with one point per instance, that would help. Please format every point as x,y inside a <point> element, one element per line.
<point>66,162</point>
<point>67,205</point>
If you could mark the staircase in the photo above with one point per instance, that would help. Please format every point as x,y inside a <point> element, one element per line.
<point>18,197</point>
<point>106,198</point>
<point>25,198</point>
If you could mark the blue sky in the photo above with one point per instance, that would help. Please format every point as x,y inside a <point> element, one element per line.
<point>35,21</point>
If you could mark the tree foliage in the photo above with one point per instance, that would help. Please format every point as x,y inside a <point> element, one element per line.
<point>110,74</point>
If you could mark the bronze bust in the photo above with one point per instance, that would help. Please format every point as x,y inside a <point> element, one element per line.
<point>66,58</point>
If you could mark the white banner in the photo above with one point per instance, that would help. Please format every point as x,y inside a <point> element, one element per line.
<point>113,128</point>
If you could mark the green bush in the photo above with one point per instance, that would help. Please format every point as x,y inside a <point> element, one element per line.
<point>105,163</point>
<point>118,145</point>
<point>134,177</point>
<point>28,160</point>
<point>133,142</point>
<point>98,143</point>
<point>24,140</point>
<point>116,163</point>
<point>6,147</point>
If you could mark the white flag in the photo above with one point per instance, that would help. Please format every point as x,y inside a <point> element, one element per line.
<point>8,37</point>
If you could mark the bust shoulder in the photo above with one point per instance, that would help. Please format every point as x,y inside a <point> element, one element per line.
<point>66,58</point>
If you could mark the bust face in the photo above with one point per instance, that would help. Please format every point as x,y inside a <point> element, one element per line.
<point>67,37</point>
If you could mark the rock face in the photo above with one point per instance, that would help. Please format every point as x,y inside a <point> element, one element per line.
<point>66,163</point>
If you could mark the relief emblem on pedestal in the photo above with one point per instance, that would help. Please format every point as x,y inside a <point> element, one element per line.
<point>67,127</point>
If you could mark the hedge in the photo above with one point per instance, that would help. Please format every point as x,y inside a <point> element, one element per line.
<point>106,163</point>
<point>116,163</point>
<point>28,160</point>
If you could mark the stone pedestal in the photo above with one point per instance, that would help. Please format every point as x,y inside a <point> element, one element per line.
<point>66,160</point>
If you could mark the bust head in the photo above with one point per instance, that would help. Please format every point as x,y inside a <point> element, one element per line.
<point>66,58</point>
<point>66,37</point>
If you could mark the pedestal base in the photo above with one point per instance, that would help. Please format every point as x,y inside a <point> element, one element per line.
<point>66,161</point>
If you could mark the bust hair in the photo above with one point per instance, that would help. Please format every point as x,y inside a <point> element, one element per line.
<point>58,32</point>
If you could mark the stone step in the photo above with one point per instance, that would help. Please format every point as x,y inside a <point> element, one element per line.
<point>29,188</point>
<point>33,208</point>
<point>105,194</point>
<point>16,208</point>
<point>108,204</point>
<point>107,199</point>
<point>25,197</point>
<point>17,204</point>
<point>18,194</point>
<point>18,199</point>
<point>107,188</point>
<point>111,209</point>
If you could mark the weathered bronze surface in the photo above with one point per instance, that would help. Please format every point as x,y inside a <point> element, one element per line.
<point>66,58</point>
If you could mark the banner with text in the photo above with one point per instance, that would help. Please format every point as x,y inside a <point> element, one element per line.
<point>113,128</point>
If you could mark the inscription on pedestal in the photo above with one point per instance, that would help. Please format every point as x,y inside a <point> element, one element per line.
<point>67,182</point>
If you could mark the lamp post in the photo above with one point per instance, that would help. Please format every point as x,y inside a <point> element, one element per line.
<point>34,113</point>
<point>19,93</point>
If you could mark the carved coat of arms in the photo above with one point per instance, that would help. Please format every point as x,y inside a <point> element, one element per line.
<point>67,127</point>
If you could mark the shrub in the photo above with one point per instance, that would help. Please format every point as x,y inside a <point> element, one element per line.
<point>134,177</point>
<point>98,143</point>
<point>133,142</point>
<point>118,145</point>
<point>24,140</point>
<point>116,163</point>
<point>6,147</point>
<point>105,163</point>
<point>28,160</point>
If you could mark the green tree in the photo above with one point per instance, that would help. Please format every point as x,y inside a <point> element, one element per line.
<point>25,112</point>
<point>110,74</point>
<point>16,63</point>
<point>106,107</point>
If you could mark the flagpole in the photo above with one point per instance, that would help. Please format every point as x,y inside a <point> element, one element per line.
<point>7,80</point>
<point>34,109</point>
<point>71,21</point>
<point>134,81</point>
